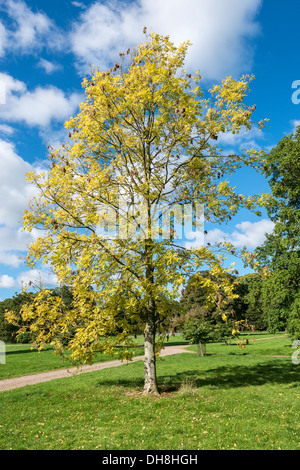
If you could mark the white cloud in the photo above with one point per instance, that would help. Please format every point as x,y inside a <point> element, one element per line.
<point>219,31</point>
<point>36,277</point>
<point>78,4</point>
<point>3,39</point>
<point>48,67</point>
<point>29,30</point>
<point>5,129</point>
<point>13,244</point>
<point>249,234</point>
<point>37,107</point>
<point>216,236</point>
<point>11,85</point>
<point>295,123</point>
<point>14,196</point>
<point>53,137</point>
<point>244,139</point>
<point>197,240</point>
<point>9,259</point>
<point>13,188</point>
<point>30,26</point>
<point>7,282</point>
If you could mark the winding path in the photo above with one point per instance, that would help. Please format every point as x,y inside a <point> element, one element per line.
<point>17,382</point>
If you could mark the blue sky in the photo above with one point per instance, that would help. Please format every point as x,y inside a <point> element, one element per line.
<point>46,48</point>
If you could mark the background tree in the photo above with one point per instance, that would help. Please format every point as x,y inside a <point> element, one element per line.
<point>198,329</point>
<point>207,307</point>
<point>249,303</point>
<point>8,331</point>
<point>279,256</point>
<point>18,330</point>
<point>145,134</point>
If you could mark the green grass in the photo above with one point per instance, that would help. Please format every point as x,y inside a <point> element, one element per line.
<point>21,359</point>
<point>225,400</point>
<point>260,344</point>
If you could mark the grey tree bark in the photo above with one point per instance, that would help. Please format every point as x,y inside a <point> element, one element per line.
<point>150,384</point>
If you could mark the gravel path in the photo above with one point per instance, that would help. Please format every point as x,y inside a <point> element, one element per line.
<point>9,384</point>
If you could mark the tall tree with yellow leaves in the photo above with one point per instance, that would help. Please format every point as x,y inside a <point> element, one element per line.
<point>145,136</point>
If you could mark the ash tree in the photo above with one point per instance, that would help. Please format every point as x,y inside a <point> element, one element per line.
<point>146,135</point>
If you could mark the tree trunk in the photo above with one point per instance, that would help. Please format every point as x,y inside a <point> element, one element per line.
<point>201,349</point>
<point>150,386</point>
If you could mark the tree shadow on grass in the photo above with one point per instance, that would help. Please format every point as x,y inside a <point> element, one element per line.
<point>177,343</point>
<point>281,372</point>
<point>25,351</point>
<point>222,377</point>
<point>130,383</point>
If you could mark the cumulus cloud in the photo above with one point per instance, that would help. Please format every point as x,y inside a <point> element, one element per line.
<point>7,282</point>
<point>197,240</point>
<point>294,123</point>
<point>244,139</point>
<point>14,196</point>
<point>249,234</point>
<point>38,107</point>
<point>29,26</point>
<point>9,258</point>
<point>13,244</point>
<point>27,30</point>
<point>220,31</point>
<point>37,278</point>
<point>49,67</point>
<point>11,84</point>
<point>78,4</point>
<point>3,39</point>
<point>13,188</point>
<point>5,129</point>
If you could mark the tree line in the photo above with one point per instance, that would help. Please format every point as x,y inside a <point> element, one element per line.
<point>200,320</point>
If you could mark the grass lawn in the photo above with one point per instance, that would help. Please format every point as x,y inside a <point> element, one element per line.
<point>22,360</point>
<point>260,344</point>
<point>229,399</point>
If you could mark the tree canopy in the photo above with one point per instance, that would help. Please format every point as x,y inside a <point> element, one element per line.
<point>146,135</point>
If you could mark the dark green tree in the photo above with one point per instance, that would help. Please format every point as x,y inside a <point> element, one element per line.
<point>8,331</point>
<point>279,256</point>
<point>249,305</point>
<point>204,303</point>
<point>198,329</point>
